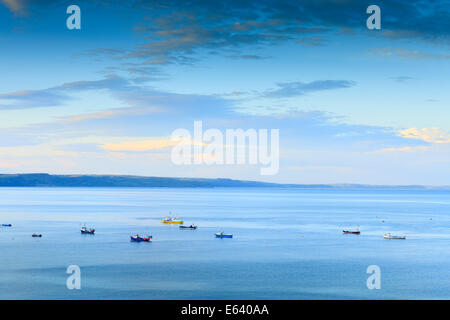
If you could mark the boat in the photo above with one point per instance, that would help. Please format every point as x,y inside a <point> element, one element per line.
<point>191,227</point>
<point>35,235</point>
<point>389,236</point>
<point>223,235</point>
<point>170,220</point>
<point>351,232</point>
<point>137,238</point>
<point>6,225</point>
<point>85,230</point>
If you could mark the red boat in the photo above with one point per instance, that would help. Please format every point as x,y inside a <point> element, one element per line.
<point>351,232</point>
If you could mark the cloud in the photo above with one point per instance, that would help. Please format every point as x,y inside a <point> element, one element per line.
<point>408,53</point>
<point>173,31</point>
<point>32,99</point>
<point>404,149</point>
<point>142,99</point>
<point>8,165</point>
<point>180,28</point>
<point>316,41</point>
<point>58,95</point>
<point>146,145</point>
<point>431,135</point>
<point>291,89</point>
<point>112,113</point>
<point>16,6</point>
<point>401,78</point>
<point>247,57</point>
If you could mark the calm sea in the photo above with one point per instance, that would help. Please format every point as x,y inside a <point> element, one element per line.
<point>288,243</point>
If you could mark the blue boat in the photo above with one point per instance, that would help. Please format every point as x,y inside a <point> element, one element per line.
<point>223,235</point>
<point>137,238</point>
<point>6,225</point>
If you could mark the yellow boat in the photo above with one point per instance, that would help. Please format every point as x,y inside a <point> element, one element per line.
<point>172,220</point>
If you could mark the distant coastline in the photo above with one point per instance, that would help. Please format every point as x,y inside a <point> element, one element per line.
<point>128,181</point>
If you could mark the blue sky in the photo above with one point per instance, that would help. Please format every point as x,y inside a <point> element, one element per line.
<point>353,105</point>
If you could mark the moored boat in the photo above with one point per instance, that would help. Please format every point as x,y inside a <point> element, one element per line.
<point>170,220</point>
<point>390,236</point>
<point>223,235</point>
<point>137,238</point>
<point>351,231</point>
<point>85,230</point>
<point>191,227</point>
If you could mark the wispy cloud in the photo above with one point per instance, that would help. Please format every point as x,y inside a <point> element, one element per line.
<point>16,6</point>
<point>112,113</point>
<point>33,99</point>
<point>142,99</point>
<point>56,96</point>
<point>229,24</point>
<point>145,145</point>
<point>173,31</point>
<point>291,89</point>
<point>8,165</point>
<point>408,53</point>
<point>401,78</point>
<point>248,57</point>
<point>404,149</point>
<point>431,135</point>
<point>148,144</point>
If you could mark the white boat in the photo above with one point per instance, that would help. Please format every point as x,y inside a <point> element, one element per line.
<point>390,236</point>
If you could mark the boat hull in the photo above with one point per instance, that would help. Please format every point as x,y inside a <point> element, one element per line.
<point>351,232</point>
<point>221,236</point>
<point>187,228</point>
<point>389,236</point>
<point>140,239</point>
<point>395,238</point>
<point>172,222</point>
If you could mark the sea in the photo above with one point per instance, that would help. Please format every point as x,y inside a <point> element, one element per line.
<point>287,243</point>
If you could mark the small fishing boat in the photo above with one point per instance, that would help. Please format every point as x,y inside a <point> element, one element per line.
<point>170,220</point>
<point>85,230</point>
<point>390,236</point>
<point>351,231</point>
<point>223,235</point>
<point>6,225</point>
<point>191,227</point>
<point>137,238</point>
<point>35,235</point>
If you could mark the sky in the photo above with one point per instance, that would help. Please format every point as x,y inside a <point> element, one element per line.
<point>352,105</point>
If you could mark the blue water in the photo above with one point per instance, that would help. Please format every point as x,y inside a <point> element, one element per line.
<point>288,243</point>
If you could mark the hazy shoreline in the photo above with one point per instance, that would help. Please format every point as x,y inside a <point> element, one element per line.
<point>128,181</point>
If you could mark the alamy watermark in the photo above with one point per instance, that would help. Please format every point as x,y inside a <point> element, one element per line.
<point>74,20</point>
<point>374,20</point>
<point>374,281</point>
<point>74,280</point>
<point>235,147</point>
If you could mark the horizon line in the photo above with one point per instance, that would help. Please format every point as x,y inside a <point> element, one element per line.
<point>339,184</point>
